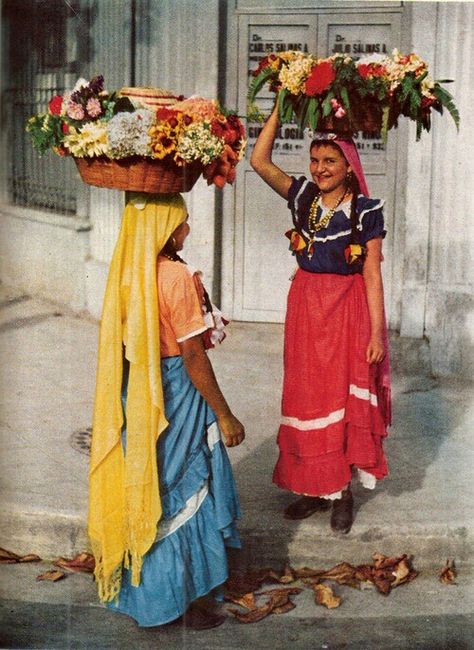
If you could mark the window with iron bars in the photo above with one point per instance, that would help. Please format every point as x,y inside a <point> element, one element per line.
<point>44,40</point>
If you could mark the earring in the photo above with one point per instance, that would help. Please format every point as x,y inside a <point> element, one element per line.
<point>349,177</point>
<point>173,241</point>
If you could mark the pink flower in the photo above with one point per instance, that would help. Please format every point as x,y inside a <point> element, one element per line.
<point>93,107</point>
<point>75,111</point>
<point>340,112</point>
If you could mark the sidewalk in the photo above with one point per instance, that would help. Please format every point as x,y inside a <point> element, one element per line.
<point>424,508</point>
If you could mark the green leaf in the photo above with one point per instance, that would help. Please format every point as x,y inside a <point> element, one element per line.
<point>285,106</point>
<point>315,116</point>
<point>446,100</point>
<point>385,116</point>
<point>302,111</point>
<point>258,82</point>
<point>419,128</point>
<point>326,106</point>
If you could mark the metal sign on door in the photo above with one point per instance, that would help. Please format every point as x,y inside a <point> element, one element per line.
<point>259,263</point>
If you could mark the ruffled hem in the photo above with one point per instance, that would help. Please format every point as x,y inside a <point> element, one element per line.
<point>318,467</point>
<point>186,565</point>
<point>190,561</point>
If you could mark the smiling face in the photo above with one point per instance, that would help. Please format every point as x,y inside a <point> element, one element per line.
<point>328,167</point>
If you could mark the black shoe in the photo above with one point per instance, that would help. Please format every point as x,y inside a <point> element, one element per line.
<point>305,507</point>
<point>199,617</point>
<point>341,515</point>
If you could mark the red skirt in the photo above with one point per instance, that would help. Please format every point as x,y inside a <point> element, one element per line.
<point>335,406</point>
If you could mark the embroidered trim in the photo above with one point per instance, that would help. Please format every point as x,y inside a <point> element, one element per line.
<point>363,393</point>
<point>296,201</point>
<point>331,237</point>
<point>317,423</point>
<point>379,205</point>
<point>332,418</point>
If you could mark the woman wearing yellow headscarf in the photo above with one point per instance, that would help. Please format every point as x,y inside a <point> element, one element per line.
<point>161,485</point>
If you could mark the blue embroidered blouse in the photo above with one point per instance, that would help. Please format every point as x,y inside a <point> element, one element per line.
<point>330,242</point>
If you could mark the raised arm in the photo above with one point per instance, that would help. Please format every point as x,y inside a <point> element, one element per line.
<point>261,159</point>
<point>202,375</point>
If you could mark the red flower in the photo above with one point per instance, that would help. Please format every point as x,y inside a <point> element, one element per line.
<point>65,127</point>
<point>55,105</point>
<point>367,70</point>
<point>427,102</point>
<point>167,115</point>
<point>322,75</point>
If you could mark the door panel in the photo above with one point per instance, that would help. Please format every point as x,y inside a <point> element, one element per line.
<point>262,263</point>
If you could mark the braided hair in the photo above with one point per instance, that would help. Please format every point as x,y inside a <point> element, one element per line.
<point>352,184</point>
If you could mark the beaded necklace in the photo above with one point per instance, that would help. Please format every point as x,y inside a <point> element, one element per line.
<point>313,224</point>
<point>174,258</point>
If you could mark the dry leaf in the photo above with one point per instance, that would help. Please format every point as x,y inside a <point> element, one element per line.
<point>247,600</point>
<point>306,572</point>
<point>254,615</point>
<point>52,576</point>
<point>448,573</point>
<point>324,595</point>
<point>30,558</point>
<point>344,574</point>
<point>81,563</point>
<point>8,557</point>
<point>283,609</point>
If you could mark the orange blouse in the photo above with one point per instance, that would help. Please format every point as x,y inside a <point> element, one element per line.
<point>181,315</point>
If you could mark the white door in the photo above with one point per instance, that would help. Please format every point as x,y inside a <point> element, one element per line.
<point>260,259</point>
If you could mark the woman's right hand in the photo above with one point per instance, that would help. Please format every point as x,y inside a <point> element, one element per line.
<point>232,430</point>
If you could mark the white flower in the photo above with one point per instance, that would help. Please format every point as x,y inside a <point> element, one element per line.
<point>378,59</point>
<point>80,83</point>
<point>90,141</point>
<point>198,143</point>
<point>128,133</point>
<point>294,75</point>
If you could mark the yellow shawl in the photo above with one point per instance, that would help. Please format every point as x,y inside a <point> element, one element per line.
<point>124,500</point>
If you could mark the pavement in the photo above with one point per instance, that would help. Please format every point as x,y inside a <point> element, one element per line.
<point>423,509</point>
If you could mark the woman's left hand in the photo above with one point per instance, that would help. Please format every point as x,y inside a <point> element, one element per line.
<point>375,351</point>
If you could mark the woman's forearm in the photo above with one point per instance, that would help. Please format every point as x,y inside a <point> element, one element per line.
<point>261,159</point>
<point>202,375</point>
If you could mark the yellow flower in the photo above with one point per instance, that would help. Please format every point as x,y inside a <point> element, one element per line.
<point>90,141</point>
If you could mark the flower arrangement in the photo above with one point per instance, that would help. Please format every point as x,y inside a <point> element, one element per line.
<point>89,122</point>
<point>344,94</point>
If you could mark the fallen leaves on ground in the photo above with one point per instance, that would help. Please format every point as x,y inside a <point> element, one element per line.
<point>51,576</point>
<point>384,573</point>
<point>8,557</point>
<point>448,573</point>
<point>279,603</point>
<point>325,596</point>
<point>81,563</point>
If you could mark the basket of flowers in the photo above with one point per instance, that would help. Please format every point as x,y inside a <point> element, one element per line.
<point>343,94</point>
<point>140,139</point>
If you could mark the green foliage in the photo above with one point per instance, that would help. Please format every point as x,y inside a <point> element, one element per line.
<point>446,99</point>
<point>45,131</point>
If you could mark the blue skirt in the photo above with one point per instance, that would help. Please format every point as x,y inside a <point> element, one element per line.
<point>200,507</point>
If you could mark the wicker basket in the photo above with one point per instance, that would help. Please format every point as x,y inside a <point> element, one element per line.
<point>368,122</point>
<point>139,174</point>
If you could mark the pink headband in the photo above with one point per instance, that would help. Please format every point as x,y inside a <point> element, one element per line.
<point>351,154</point>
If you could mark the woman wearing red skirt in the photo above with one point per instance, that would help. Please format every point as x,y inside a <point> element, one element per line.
<point>336,388</point>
